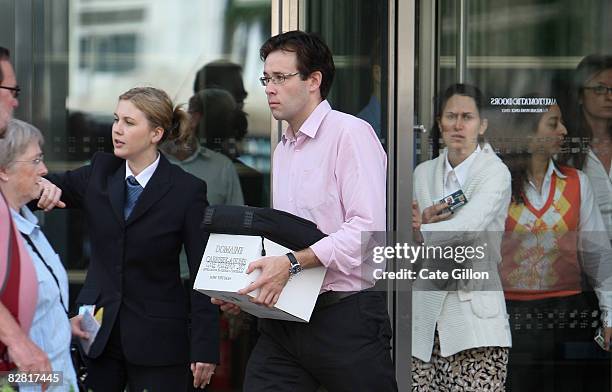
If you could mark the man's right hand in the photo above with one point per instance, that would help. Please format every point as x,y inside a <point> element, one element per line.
<point>225,306</point>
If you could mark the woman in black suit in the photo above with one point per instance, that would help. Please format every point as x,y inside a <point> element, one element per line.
<point>141,210</point>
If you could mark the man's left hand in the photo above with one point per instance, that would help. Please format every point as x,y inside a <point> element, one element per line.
<point>202,373</point>
<point>49,196</point>
<point>273,278</point>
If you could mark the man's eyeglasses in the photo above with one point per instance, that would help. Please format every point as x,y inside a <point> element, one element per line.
<point>599,90</point>
<point>36,161</point>
<point>276,78</point>
<point>15,90</point>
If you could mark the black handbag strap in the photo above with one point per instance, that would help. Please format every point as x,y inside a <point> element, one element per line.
<point>35,249</point>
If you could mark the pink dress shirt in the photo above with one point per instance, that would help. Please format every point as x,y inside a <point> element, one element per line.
<point>333,172</point>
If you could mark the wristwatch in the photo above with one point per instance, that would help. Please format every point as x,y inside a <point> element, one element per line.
<point>295,268</point>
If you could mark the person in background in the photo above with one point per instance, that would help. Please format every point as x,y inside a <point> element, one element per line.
<point>460,337</point>
<point>227,76</point>
<point>228,139</point>
<point>588,116</point>
<point>372,112</point>
<point>210,109</point>
<point>555,237</point>
<point>21,167</point>
<point>141,210</point>
<point>223,75</point>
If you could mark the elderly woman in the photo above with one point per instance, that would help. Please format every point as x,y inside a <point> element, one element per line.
<point>21,168</point>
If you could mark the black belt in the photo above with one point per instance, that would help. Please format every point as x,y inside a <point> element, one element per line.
<point>329,298</point>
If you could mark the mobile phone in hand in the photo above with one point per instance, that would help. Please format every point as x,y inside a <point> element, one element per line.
<point>599,339</point>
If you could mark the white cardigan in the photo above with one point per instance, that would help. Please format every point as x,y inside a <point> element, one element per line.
<point>464,319</point>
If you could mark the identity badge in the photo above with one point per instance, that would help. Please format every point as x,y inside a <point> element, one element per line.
<point>455,200</point>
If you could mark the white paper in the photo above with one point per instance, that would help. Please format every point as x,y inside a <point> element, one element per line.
<point>90,325</point>
<point>222,274</point>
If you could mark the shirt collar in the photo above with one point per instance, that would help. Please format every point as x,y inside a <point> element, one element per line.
<point>552,168</point>
<point>312,123</point>
<point>462,169</point>
<point>145,175</point>
<point>26,222</point>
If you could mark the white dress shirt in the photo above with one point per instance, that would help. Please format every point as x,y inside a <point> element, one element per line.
<point>601,181</point>
<point>145,175</point>
<point>454,177</point>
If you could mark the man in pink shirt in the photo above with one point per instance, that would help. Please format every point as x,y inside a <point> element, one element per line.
<point>331,169</point>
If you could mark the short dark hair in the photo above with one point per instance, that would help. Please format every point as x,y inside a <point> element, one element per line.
<point>224,75</point>
<point>5,55</point>
<point>312,55</point>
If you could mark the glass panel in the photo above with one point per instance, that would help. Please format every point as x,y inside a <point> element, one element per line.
<point>545,69</point>
<point>356,32</point>
<point>86,53</point>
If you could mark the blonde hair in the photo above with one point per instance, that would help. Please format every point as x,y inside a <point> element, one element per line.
<point>160,112</point>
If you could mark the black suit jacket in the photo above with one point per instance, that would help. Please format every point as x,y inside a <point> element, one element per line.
<point>134,267</point>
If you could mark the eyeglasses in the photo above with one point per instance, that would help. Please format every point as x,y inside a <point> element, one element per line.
<point>277,79</point>
<point>599,90</point>
<point>36,161</point>
<point>15,90</point>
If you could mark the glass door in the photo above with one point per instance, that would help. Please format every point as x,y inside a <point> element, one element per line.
<point>534,60</point>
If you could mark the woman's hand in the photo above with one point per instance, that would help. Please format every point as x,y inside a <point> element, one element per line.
<point>75,326</point>
<point>416,223</point>
<point>49,196</point>
<point>435,213</point>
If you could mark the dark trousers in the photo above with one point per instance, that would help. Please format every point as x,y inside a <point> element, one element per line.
<point>344,347</point>
<point>111,372</point>
<point>553,348</point>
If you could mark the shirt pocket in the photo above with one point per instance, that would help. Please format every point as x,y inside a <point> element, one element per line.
<point>313,190</point>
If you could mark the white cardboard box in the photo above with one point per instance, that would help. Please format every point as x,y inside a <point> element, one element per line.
<point>222,274</point>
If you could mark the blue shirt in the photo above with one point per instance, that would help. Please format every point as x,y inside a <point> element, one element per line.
<point>50,328</point>
<point>372,113</point>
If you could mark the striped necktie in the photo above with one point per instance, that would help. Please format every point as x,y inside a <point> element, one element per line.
<point>132,193</point>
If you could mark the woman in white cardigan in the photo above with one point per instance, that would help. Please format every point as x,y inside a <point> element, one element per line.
<point>461,335</point>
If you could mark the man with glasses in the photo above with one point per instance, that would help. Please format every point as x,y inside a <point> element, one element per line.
<point>9,91</point>
<point>331,169</point>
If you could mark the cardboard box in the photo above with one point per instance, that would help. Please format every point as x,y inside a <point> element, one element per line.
<point>222,274</point>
